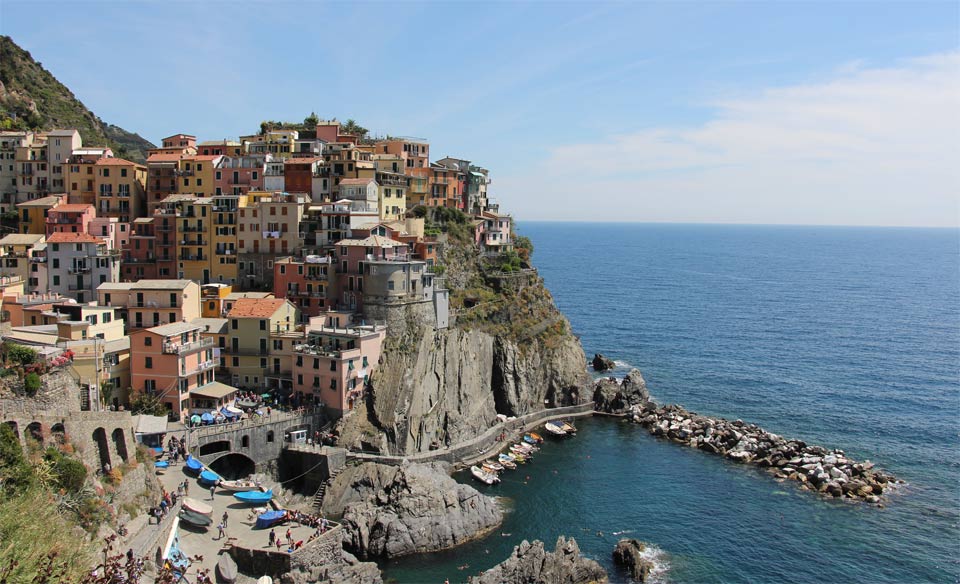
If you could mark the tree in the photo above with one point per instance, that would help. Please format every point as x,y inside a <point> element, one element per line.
<point>353,128</point>
<point>15,473</point>
<point>31,384</point>
<point>524,247</point>
<point>144,403</point>
<point>20,355</point>
<point>310,122</point>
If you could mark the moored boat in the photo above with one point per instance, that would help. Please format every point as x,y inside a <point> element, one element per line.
<point>536,436</point>
<point>227,569</point>
<point>529,439</point>
<point>554,429</point>
<point>484,476</point>
<point>193,465</point>
<point>517,449</point>
<point>239,486</point>
<point>492,466</point>
<point>208,478</point>
<point>568,427</point>
<point>516,457</point>
<point>197,507</point>
<point>507,462</point>
<point>253,496</point>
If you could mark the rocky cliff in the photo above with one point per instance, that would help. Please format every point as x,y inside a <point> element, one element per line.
<point>530,562</point>
<point>508,351</point>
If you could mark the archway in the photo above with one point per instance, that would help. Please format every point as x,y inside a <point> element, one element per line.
<point>100,437</point>
<point>233,466</point>
<point>58,433</point>
<point>35,431</point>
<point>120,443</point>
<point>214,447</point>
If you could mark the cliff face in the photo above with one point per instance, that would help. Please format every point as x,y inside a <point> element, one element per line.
<point>509,352</point>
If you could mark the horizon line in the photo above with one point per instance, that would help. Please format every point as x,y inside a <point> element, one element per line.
<point>739,224</point>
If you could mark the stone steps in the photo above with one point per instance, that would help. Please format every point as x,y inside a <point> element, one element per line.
<point>322,491</point>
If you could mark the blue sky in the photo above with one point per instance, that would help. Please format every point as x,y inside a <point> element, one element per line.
<point>688,111</point>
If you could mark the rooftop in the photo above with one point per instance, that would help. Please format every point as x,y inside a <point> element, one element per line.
<point>161,284</point>
<point>239,295</point>
<point>61,237</point>
<point>255,307</point>
<point>73,207</point>
<point>174,328</point>
<point>212,325</point>
<point>215,390</point>
<point>21,239</point>
<point>115,162</point>
<point>164,158</point>
<point>355,181</point>
<point>372,241</point>
<point>51,201</point>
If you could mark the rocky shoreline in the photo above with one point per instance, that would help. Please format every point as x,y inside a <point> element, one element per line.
<point>531,562</point>
<point>815,468</point>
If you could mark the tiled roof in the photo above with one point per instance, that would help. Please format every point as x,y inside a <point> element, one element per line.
<point>164,158</point>
<point>255,307</point>
<point>203,157</point>
<point>51,201</point>
<point>356,181</point>
<point>372,241</point>
<point>239,295</point>
<point>73,207</point>
<point>115,162</point>
<point>61,237</point>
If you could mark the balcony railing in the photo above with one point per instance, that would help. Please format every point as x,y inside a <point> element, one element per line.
<point>201,367</point>
<point>79,269</point>
<point>181,348</point>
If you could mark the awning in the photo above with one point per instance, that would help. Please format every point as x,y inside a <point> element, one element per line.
<point>150,424</point>
<point>215,390</point>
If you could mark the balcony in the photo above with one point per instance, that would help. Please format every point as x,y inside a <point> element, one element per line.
<point>167,212</point>
<point>225,251</point>
<point>165,227</point>
<point>200,368</point>
<point>38,260</point>
<point>152,304</point>
<point>193,258</point>
<point>181,348</point>
<point>194,242</point>
<point>104,253</point>
<point>79,269</point>
<point>195,229</point>
<point>146,260</point>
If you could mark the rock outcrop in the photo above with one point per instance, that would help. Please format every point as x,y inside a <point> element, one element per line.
<point>617,396</point>
<point>601,363</point>
<point>629,554</point>
<point>816,468</point>
<point>394,511</point>
<point>349,570</point>
<point>530,562</point>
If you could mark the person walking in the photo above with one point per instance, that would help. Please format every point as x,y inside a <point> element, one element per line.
<point>271,538</point>
<point>186,488</point>
<point>224,519</point>
<point>221,531</point>
<point>213,491</point>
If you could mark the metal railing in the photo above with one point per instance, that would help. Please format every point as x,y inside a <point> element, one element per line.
<point>181,348</point>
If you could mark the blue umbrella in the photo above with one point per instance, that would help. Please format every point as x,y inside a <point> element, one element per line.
<point>207,418</point>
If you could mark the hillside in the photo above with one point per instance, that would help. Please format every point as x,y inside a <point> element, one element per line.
<point>31,98</point>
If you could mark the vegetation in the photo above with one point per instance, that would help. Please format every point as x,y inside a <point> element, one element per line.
<point>19,354</point>
<point>144,403</point>
<point>33,99</point>
<point>31,384</point>
<point>453,222</point>
<point>310,123</point>
<point>524,247</point>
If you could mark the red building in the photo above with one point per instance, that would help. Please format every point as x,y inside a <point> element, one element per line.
<point>298,174</point>
<point>139,259</point>
<point>303,282</point>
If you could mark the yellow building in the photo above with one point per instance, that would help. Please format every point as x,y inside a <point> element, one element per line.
<point>223,263</point>
<point>392,195</point>
<point>81,168</point>
<point>193,239</point>
<point>17,258</point>
<point>279,143</point>
<point>119,189</point>
<point>252,322</point>
<point>33,214</point>
<point>212,298</point>
<point>197,175</point>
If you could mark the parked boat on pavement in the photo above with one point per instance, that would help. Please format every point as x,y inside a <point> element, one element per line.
<point>253,496</point>
<point>239,486</point>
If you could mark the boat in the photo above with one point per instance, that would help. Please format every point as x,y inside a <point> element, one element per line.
<point>536,437</point>
<point>507,462</point>
<point>197,507</point>
<point>193,465</point>
<point>484,476</point>
<point>265,580</point>
<point>161,466</point>
<point>529,439</point>
<point>208,478</point>
<point>518,449</point>
<point>237,411</point>
<point>554,429</point>
<point>526,448</point>
<point>253,496</point>
<point>192,518</point>
<point>270,518</point>
<point>516,457</point>
<point>239,486</point>
<point>492,466</point>
<point>227,569</point>
<point>568,427</point>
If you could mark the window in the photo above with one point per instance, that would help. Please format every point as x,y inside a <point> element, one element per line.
<point>263,325</point>
<point>148,341</point>
<point>123,172</point>
<point>277,345</point>
<point>234,324</point>
<point>263,363</point>
<point>333,365</point>
<point>333,384</point>
<point>148,362</point>
<point>106,172</point>
<point>236,361</point>
<point>56,280</point>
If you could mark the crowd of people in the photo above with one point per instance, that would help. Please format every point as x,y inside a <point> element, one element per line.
<point>167,502</point>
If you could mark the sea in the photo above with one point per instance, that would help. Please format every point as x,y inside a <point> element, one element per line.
<point>846,337</point>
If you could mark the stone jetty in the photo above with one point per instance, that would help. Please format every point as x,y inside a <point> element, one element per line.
<point>816,468</point>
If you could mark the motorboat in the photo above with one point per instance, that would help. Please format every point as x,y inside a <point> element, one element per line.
<point>483,476</point>
<point>516,457</point>
<point>208,478</point>
<point>507,462</point>
<point>554,429</point>
<point>568,427</point>
<point>529,439</point>
<point>192,518</point>
<point>227,569</point>
<point>197,507</point>
<point>253,496</point>
<point>161,466</point>
<point>239,486</point>
<point>492,466</point>
<point>270,518</point>
<point>192,465</point>
<point>526,448</point>
<point>518,450</point>
<point>535,436</point>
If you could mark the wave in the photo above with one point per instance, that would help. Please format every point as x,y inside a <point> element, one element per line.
<point>660,561</point>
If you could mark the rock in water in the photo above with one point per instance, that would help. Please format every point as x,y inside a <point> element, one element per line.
<point>601,363</point>
<point>410,509</point>
<point>628,554</point>
<point>530,562</point>
<point>617,397</point>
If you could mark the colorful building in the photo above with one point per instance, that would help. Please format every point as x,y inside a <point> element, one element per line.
<point>70,218</point>
<point>248,347</point>
<point>79,262</point>
<point>33,214</point>
<point>149,303</point>
<point>119,189</point>
<point>303,281</point>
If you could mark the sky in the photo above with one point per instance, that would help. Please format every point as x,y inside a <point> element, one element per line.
<point>721,112</point>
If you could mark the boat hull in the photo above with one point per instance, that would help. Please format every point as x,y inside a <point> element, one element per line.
<point>238,486</point>
<point>253,497</point>
<point>192,518</point>
<point>227,569</point>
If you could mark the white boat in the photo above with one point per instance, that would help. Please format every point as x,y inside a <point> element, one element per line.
<point>526,448</point>
<point>507,461</point>
<point>524,454</point>
<point>197,507</point>
<point>484,476</point>
<point>265,580</point>
<point>554,429</point>
<point>568,427</point>
<point>492,466</point>
<point>239,486</point>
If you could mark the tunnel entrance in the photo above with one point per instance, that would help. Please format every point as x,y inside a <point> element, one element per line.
<point>233,466</point>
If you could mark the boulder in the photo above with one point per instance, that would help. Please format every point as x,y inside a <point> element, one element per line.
<point>629,554</point>
<point>601,363</point>
<point>530,562</point>
<point>613,397</point>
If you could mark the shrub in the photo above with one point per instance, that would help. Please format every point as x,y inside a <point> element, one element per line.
<point>31,384</point>
<point>20,355</point>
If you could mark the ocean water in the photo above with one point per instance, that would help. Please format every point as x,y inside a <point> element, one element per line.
<point>844,337</point>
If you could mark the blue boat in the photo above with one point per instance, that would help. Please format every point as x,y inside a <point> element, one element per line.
<point>161,464</point>
<point>157,452</point>
<point>208,478</point>
<point>529,439</point>
<point>270,518</point>
<point>192,465</point>
<point>253,496</point>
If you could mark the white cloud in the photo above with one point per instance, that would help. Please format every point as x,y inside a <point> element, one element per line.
<point>874,146</point>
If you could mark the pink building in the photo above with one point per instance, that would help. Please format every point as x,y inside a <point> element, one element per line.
<point>139,259</point>
<point>492,232</point>
<point>70,218</point>
<point>350,258</point>
<point>303,282</point>
<point>238,175</point>
<point>334,364</point>
<point>173,362</point>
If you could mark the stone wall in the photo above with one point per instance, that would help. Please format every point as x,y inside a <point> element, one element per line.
<point>323,551</point>
<point>264,440</point>
<point>401,318</point>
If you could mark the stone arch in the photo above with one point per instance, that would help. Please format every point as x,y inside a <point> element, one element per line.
<point>269,435</point>
<point>100,438</point>
<point>120,443</point>
<point>16,429</point>
<point>35,431</point>
<point>215,447</point>
<point>58,433</point>
<point>245,441</point>
<point>233,465</point>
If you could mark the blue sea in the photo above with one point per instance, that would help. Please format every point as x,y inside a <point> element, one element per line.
<point>844,337</point>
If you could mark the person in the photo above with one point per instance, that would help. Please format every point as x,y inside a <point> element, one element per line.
<point>186,488</point>
<point>289,536</point>
<point>220,529</point>
<point>130,555</point>
<point>213,491</point>
<point>224,519</point>
<point>272,537</point>
<point>279,545</point>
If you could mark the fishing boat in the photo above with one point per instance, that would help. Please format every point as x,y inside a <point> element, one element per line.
<point>515,457</point>
<point>484,476</point>
<point>568,427</point>
<point>492,466</point>
<point>239,486</point>
<point>192,465</point>
<point>270,518</point>
<point>208,478</point>
<point>526,447</point>
<point>192,518</point>
<point>507,462</point>
<point>516,449</point>
<point>253,496</point>
<point>227,569</point>
<point>554,429</point>
<point>197,507</point>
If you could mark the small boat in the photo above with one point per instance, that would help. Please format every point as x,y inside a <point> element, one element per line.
<point>265,580</point>
<point>239,486</point>
<point>517,449</point>
<point>161,466</point>
<point>197,507</point>
<point>507,462</point>
<point>516,457</point>
<point>192,518</point>
<point>554,429</point>
<point>529,439</point>
<point>208,478</point>
<point>270,518</point>
<point>227,569</point>
<point>492,466</point>
<point>253,496</point>
<point>536,437</point>
<point>484,476</point>
<point>526,448</point>
<point>568,427</point>
<point>193,465</point>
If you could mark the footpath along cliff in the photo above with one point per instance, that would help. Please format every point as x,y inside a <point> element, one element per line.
<point>508,350</point>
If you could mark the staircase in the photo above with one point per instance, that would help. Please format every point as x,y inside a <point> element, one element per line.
<point>318,498</point>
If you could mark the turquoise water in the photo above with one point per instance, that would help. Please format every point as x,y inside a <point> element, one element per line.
<point>846,337</point>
